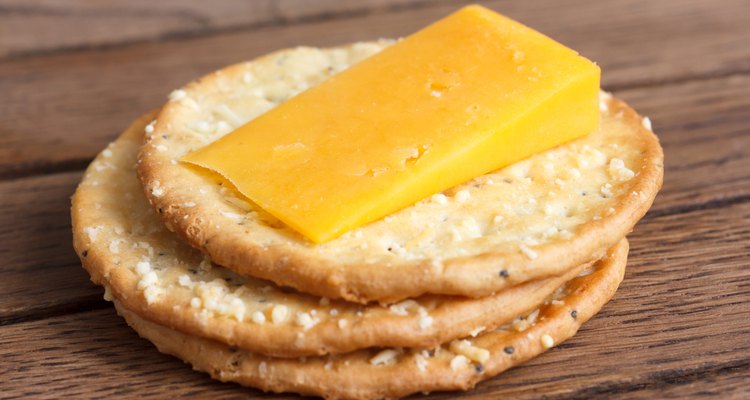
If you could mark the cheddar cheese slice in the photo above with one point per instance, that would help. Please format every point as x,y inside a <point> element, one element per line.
<point>467,95</point>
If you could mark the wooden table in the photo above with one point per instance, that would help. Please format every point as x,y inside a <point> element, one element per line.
<point>73,75</point>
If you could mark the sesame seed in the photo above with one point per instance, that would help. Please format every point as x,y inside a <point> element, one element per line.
<point>509,350</point>
<point>342,323</point>
<point>574,314</point>
<point>503,273</point>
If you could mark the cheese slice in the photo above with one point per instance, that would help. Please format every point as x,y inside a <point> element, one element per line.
<point>467,95</point>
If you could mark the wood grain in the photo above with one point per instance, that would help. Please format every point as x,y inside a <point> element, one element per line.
<point>31,28</point>
<point>40,273</point>
<point>660,328</point>
<point>73,103</point>
<point>74,73</point>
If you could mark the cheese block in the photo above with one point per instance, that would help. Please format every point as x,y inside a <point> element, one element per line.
<point>467,95</point>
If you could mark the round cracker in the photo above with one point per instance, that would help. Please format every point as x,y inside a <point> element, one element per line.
<point>537,218</point>
<point>390,373</point>
<point>125,246</point>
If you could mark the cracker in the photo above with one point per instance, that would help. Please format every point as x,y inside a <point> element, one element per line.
<point>125,246</point>
<point>534,219</point>
<point>388,373</point>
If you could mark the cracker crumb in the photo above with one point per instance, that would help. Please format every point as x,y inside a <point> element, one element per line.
<point>152,293</point>
<point>178,94</point>
<point>531,318</point>
<point>150,127</point>
<point>421,362</point>
<point>106,153</point>
<point>618,170</point>
<point>184,280</point>
<point>547,341</point>
<point>91,232</point>
<point>468,350</point>
<point>526,250</point>
<point>195,302</point>
<point>258,317</point>
<point>401,308</point>
<point>142,267</point>
<point>386,356</point>
<point>459,362</point>
<point>279,314</point>
<point>114,246</point>
<point>646,123</point>
<point>476,331</point>
<point>156,189</point>
<point>425,321</point>
<point>107,294</point>
<point>305,320</point>
<point>439,198</point>
<point>462,196</point>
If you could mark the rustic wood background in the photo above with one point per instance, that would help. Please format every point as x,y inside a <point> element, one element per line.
<point>74,73</point>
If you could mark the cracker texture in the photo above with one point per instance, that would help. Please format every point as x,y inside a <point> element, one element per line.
<point>126,247</point>
<point>537,218</point>
<point>401,372</point>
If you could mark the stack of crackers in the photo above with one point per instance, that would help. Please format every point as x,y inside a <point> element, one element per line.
<point>437,296</point>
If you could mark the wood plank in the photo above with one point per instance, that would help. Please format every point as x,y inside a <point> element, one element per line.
<point>40,273</point>
<point>72,104</point>
<point>702,125</point>
<point>703,128</point>
<point>724,383</point>
<point>680,315</point>
<point>28,28</point>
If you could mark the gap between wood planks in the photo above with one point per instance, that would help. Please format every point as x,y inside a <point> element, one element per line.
<point>656,384</point>
<point>273,14</point>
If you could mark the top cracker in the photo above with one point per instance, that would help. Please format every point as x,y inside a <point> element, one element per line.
<point>537,218</point>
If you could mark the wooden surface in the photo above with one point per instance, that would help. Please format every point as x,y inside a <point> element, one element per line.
<point>73,73</point>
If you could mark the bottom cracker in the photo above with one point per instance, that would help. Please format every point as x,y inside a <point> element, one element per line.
<point>389,373</point>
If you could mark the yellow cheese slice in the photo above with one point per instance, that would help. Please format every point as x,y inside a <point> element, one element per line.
<point>469,94</point>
